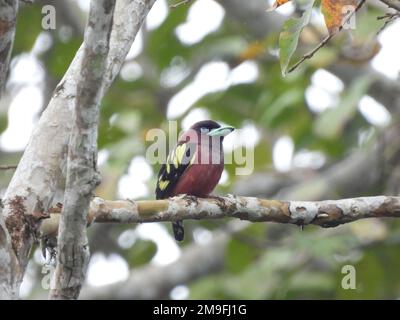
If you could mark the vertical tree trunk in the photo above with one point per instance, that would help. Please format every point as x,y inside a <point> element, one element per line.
<point>8,19</point>
<point>43,164</point>
<point>82,177</point>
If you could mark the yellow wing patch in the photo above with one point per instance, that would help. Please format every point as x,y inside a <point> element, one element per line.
<point>180,152</point>
<point>172,159</point>
<point>163,184</point>
<point>176,157</point>
<point>176,163</point>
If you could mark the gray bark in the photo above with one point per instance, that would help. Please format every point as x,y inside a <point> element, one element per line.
<point>8,20</point>
<point>82,177</point>
<point>42,166</point>
<point>327,213</point>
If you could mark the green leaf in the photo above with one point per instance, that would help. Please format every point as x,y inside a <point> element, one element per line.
<point>289,37</point>
<point>3,122</point>
<point>330,124</point>
<point>29,26</point>
<point>162,44</point>
<point>305,281</point>
<point>141,253</point>
<point>239,255</point>
<point>243,250</point>
<point>61,55</point>
<point>232,105</point>
<point>284,102</point>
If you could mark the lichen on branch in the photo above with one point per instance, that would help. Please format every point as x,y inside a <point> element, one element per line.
<point>328,213</point>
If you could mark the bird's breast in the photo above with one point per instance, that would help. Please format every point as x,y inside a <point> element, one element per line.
<point>199,180</point>
<point>202,176</point>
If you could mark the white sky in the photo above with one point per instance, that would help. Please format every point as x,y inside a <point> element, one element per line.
<point>387,60</point>
<point>104,269</point>
<point>212,77</point>
<point>194,29</point>
<point>205,17</point>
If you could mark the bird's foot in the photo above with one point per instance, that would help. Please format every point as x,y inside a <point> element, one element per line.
<point>301,225</point>
<point>49,245</point>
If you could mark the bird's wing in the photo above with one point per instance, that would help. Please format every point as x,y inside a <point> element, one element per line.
<point>179,159</point>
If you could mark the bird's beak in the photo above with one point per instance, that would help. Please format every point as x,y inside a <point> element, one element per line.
<point>221,131</point>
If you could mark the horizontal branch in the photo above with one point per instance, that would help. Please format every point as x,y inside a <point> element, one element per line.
<point>8,167</point>
<point>329,213</point>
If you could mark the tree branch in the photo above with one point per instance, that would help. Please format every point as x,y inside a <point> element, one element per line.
<point>8,20</point>
<point>310,54</point>
<point>392,4</point>
<point>251,15</point>
<point>8,265</point>
<point>178,4</point>
<point>155,282</point>
<point>35,182</point>
<point>328,213</point>
<point>8,167</point>
<point>82,177</point>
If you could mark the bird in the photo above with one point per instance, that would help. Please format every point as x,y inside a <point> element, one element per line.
<point>194,166</point>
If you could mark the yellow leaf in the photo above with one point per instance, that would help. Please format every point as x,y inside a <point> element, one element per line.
<point>335,13</point>
<point>180,152</point>
<point>277,4</point>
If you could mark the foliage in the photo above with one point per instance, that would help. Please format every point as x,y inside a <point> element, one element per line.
<point>338,15</point>
<point>262,261</point>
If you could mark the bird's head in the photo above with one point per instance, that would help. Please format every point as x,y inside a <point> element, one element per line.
<point>211,128</point>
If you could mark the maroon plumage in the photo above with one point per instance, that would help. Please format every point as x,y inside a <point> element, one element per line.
<point>194,166</point>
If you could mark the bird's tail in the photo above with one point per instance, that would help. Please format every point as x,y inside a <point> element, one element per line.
<point>179,231</point>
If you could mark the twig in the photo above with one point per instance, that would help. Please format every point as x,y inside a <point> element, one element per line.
<point>390,17</point>
<point>23,190</point>
<point>310,54</point>
<point>392,4</point>
<point>8,167</point>
<point>176,5</point>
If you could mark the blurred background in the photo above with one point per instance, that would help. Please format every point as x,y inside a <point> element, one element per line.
<point>329,130</point>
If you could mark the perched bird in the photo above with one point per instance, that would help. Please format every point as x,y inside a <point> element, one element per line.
<point>194,166</point>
